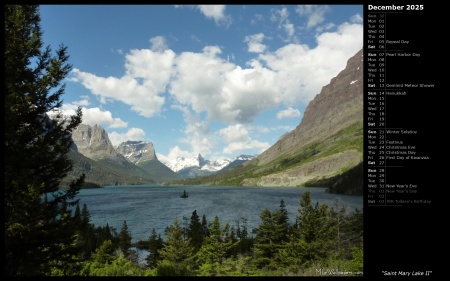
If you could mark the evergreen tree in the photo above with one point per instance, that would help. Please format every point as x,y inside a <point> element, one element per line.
<point>124,238</point>
<point>204,226</point>
<point>282,221</point>
<point>215,248</point>
<point>85,216</point>
<point>245,241</point>
<point>39,234</point>
<point>195,231</point>
<point>177,253</point>
<point>265,245</point>
<point>315,229</point>
<point>77,214</point>
<point>155,243</point>
<point>311,240</point>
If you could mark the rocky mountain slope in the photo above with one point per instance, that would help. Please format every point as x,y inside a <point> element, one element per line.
<point>93,142</point>
<point>338,107</point>
<point>137,151</point>
<point>143,155</point>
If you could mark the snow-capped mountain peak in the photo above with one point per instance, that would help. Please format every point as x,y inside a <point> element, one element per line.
<point>202,164</point>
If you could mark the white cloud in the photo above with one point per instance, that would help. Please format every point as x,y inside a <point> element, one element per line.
<point>254,43</point>
<point>356,19</point>
<point>282,17</point>
<point>147,74</point>
<point>83,102</point>
<point>302,71</point>
<point>174,153</point>
<point>256,19</point>
<point>133,134</point>
<point>158,44</point>
<point>314,13</point>
<point>216,12</point>
<point>237,139</point>
<point>288,113</point>
<point>196,131</point>
<point>209,88</point>
<point>94,115</point>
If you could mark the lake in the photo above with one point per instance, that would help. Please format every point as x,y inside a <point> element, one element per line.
<point>145,207</point>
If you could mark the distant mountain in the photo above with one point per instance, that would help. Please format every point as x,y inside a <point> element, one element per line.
<point>325,149</point>
<point>182,163</point>
<point>97,174</point>
<point>238,160</point>
<point>136,151</point>
<point>190,167</point>
<point>93,142</point>
<point>143,155</point>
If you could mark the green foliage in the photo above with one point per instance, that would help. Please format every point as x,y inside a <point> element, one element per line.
<point>39,234</point>
<point>195,231</point>
<point>155,243</point>
<point>177,251</point>
<point>104,264</point>
<point>217,245</point>
<point>125,238</point>
<point>265,245</point>
<point>324,241</point>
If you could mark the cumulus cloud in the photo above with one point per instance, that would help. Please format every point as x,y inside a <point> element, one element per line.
<point>254,43</point>
<point>288,113</point>
<point>83,102</point>
<point>207,87</point>
<point>302,71</point>
<point>215,12</point>
<point>237,139</point>
<point>282,17</point>
<point>146,77</point>
<point>94,115</point>
<point>133,134</point>
<point>225,91</point>
<point>196,130</point>
<point>158,44</point>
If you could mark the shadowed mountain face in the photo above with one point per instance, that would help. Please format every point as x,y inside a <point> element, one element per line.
<point>334,117</point>
<point>337,106</point>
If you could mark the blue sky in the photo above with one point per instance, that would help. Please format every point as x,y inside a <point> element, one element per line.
<point>216,80</point>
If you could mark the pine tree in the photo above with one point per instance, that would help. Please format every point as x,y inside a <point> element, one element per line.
<point>265,245</point>
<point>177,252</point>
<point>39,234</point>
<point>124,238</point>
<point>195,231</point>
<point>155,243</point>
<point>315,229</point>
<point>205,226</point>
<point>215,248</point>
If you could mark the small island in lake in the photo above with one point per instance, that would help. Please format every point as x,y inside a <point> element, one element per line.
<point>184,195</point>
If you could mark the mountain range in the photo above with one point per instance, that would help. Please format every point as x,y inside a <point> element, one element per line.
<point>132,162</point>
<point>325,149</point>
<point>198,166</point>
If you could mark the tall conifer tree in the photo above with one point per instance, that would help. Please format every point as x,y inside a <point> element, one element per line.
<point>39,234</point>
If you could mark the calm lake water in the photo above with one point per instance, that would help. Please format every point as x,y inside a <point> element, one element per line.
<point>145,207</point>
